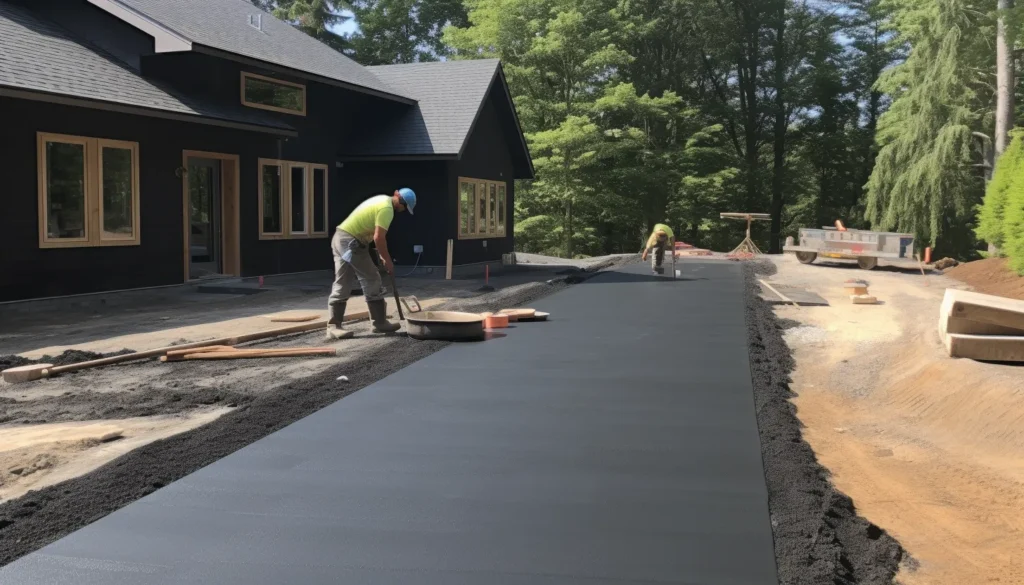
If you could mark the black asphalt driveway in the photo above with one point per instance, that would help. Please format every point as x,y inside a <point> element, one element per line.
<point>616,443</point>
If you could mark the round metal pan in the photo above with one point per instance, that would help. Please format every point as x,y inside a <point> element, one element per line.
<point>445,326</point>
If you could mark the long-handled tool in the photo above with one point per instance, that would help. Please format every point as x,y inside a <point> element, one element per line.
<point>394,288</point>
<point>398,301</point>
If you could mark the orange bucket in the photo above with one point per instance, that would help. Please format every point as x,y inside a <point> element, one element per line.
<point>496,321</point>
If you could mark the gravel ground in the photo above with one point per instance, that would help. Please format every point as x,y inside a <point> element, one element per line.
<point>40,517</point>
<point>819,538</point>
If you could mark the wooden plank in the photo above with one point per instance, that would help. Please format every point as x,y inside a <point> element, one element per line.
<point>177,352</point>
<point>268,353</point>
<point>293,319</point>
<point>163,350</point>
<point>983,308</point>
<point>989,348</point>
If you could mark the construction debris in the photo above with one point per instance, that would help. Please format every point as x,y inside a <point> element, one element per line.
<point>982,327</point>
<point>864,299</point>
<point>40,371</point>
<point>856,287</point>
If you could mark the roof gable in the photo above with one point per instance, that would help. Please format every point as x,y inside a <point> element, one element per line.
<point>449,98</point>
<point>232,26</point>
<point>42,59</point>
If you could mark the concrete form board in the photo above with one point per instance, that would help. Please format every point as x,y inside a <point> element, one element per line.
<point>988,348</point>
<point>973,306</point>
<point>616,443</point>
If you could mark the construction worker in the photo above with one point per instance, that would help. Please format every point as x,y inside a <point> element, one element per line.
<point>661,238</point>
<point>351,246</point>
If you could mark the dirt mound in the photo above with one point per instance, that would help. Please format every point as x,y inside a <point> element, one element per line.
<point>819,537</point>
<point>71,356</point>
<point>991,276</point>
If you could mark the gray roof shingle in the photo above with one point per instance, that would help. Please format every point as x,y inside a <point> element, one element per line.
<point>224,25</point>
<point>39,56</point>
<point>449,95</point>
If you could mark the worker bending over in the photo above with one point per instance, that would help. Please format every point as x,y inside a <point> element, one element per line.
<point>351,246</point>
<point>661,238</point>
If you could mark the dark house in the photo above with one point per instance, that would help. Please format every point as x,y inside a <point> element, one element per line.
<point>154,142</point>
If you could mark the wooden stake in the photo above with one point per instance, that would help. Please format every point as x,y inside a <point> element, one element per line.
<point>921,266</point>
<point>448,266</point>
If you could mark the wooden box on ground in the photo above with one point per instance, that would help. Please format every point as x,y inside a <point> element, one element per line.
<point>982,327</point>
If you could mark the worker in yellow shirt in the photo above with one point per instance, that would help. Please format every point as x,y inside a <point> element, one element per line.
<point>351,246</point>
<point>661,238</point>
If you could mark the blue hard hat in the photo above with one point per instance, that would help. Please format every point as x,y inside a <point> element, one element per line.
<point>408,197</point>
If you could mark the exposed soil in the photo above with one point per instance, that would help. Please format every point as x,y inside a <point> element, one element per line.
<point>71,356</point>
<point>43,516</point>
<point>991,276</point>
<point>819,536</point>
<point>929,447</point>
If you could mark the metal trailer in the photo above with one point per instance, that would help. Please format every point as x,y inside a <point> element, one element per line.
<point>863,246</point>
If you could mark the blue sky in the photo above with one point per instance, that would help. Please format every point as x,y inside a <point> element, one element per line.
<point>347,28</point>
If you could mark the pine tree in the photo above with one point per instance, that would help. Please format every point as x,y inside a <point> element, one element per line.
<point>923,181</point>
<point>991,215</point>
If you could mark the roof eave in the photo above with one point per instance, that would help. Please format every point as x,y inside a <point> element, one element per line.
<point>398,157</point>
<point>81,102</point>
<point>214,52</point>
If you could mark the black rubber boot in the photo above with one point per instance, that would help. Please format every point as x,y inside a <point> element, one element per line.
<point>337,317</point>
<point>379,317</point>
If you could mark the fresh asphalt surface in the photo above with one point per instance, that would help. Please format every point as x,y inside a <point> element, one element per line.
<point>616,443</point>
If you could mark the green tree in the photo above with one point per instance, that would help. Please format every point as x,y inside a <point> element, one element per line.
<point>923,181</point>
<point>403,31</point>
<point>317,18</point>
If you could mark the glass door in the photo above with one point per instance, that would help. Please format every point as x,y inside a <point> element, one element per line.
<point>204,196</point>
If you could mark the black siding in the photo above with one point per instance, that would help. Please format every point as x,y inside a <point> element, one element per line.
<point>432,224</point>
<point>29,271</point>
<point>486,156</point>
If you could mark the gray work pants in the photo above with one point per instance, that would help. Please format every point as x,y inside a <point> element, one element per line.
<point>352,262</point>
<point>658,255</point>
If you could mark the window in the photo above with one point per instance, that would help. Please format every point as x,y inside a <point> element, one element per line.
<point>293,200</point>
<point>299,198</point>
<point>88,191</point>
<point>481,208</point>
<point>271,94</point>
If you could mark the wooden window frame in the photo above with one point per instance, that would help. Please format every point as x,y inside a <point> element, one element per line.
<point>286,167</point>
<point>95,236</point>
<point>230,197</point>
<point>490,229</point>
<point>307,183</point>
<point>259,106</point>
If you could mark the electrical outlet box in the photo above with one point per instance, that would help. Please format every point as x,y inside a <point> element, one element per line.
<point>417,249</point>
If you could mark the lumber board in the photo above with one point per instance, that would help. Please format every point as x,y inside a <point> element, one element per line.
<point>988,348</point>
<point>969,327</point>
<point>232,355</point>
<point>177,352</point>
<point>290,330</point>
<point>293,319</point>
<point>983,308</point>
